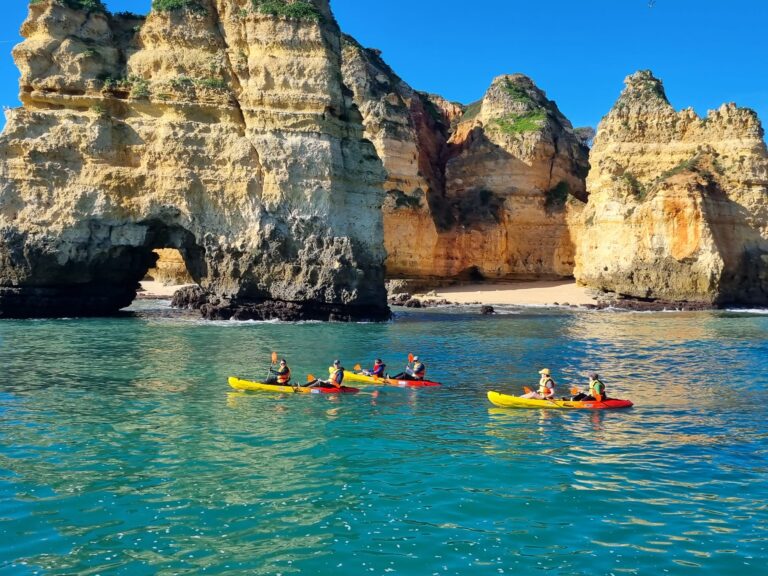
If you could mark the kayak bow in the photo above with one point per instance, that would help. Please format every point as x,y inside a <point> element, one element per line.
<point>507,401</point>
<point>239,384</point>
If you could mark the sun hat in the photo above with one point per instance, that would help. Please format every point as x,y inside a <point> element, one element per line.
<point>545,372</point>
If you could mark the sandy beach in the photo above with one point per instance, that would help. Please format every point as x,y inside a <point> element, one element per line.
<point>158,290</point>
<point>515,293</point>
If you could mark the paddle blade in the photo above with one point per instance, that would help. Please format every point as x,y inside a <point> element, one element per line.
<point>527,390</point>
<point>599,397</point>
<point>311,378</point>
<point>410,358</point>
<point>375,393</point>
<point>274,357</point>
<point>357,368</point>
<point>575,391</point>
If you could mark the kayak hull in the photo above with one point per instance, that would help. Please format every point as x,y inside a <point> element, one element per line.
<point>239,384</point>
<point>506,401</point>
<point>370,380</point>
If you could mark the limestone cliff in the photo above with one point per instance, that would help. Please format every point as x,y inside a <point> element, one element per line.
<point>678,206</point>
<point>479,191</point>
<point>221,129</point>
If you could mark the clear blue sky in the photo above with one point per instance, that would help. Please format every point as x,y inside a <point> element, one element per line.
<point>706,51</point>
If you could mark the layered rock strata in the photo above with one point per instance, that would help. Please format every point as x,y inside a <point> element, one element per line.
<point>678,206</point>
<point>471,192</point>
<point>222,130</point>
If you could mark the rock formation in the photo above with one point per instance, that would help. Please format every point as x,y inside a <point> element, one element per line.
<point>222,129</point>
<point>471,192</point>
<point>170,268</point>
<point>678,205</point>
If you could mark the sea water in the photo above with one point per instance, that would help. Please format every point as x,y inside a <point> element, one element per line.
<point>124,451</point>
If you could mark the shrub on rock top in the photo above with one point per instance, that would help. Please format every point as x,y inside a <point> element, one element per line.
<point>173,5</point>
<point>298,9</point>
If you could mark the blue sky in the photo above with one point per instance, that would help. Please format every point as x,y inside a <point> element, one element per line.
<point>706,51</point>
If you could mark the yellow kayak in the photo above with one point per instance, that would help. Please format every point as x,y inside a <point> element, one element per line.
<point>239,384</point>
<point>506,401</point>
<point>363,379</point>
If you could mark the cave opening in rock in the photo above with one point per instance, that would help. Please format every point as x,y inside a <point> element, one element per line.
<point>170,258</point>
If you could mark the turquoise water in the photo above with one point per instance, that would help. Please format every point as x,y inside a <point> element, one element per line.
<point>123,451</point>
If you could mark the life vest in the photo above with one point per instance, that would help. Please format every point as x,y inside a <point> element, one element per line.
<point>283,375</point>
<point>596,387</point>
<point>547,386</point>
<point>419,369</point>
<point>378,369</point>
<point>337,375</point>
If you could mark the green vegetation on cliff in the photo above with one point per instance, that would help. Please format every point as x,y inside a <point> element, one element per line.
<point>172,5</point>
<point>517,92</point>
<point>518,124</point>
<point>89,5</point>
<point>298,9</point>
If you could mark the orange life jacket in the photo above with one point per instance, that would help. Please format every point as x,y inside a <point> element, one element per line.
<point>283,375</point>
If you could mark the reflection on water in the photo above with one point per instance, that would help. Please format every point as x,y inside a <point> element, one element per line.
<point>126,452</point>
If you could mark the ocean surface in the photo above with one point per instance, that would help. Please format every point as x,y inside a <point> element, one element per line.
<point>124,451</point>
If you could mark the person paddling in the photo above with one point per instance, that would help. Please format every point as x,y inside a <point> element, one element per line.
<point>546,389</point>
<point>337,374</point>
<point>281,376</point>
<point>596,390</point>
<point>336,370</point>
<point>378,369</point>
<point>417,372</point>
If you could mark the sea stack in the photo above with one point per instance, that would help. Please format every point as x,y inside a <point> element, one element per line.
<point>678,204</point>
<point>473,192</point>
<point>221,129</point>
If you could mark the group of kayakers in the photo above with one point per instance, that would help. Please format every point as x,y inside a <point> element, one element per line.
<point>415,370</point>
<point>546,390</point>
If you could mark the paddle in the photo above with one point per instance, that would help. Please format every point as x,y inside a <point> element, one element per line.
<point>597,397</point>
<point>274,361</point>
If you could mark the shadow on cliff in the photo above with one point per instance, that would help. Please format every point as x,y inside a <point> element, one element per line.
<point>744,279</point>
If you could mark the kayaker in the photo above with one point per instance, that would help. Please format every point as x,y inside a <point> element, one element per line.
<point>377,370</point>
<point>336,370</point>
<point>281,376</point>
<point>546,389</point>
<point>417,372</point>
<point>596,387</point>
<point>337,374</point>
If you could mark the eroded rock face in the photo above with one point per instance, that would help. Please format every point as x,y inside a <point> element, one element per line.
<point>678,206</point>
<point>477,192</point>
<point>225,133</point>
<point>170,268</point>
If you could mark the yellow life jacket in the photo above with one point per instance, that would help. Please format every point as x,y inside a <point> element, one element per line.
<point>546,386</point>
<point>596,387</point>
<point>283,375</point>
<point>337,375</point>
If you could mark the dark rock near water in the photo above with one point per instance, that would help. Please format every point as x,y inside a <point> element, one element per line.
<point>214,308</point>
<point>487,310</point>
<point>70,301</point>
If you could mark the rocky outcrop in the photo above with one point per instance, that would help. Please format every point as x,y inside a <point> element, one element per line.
<point>222,129</point>
<point>474,192</point>
<point>678,206</point>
